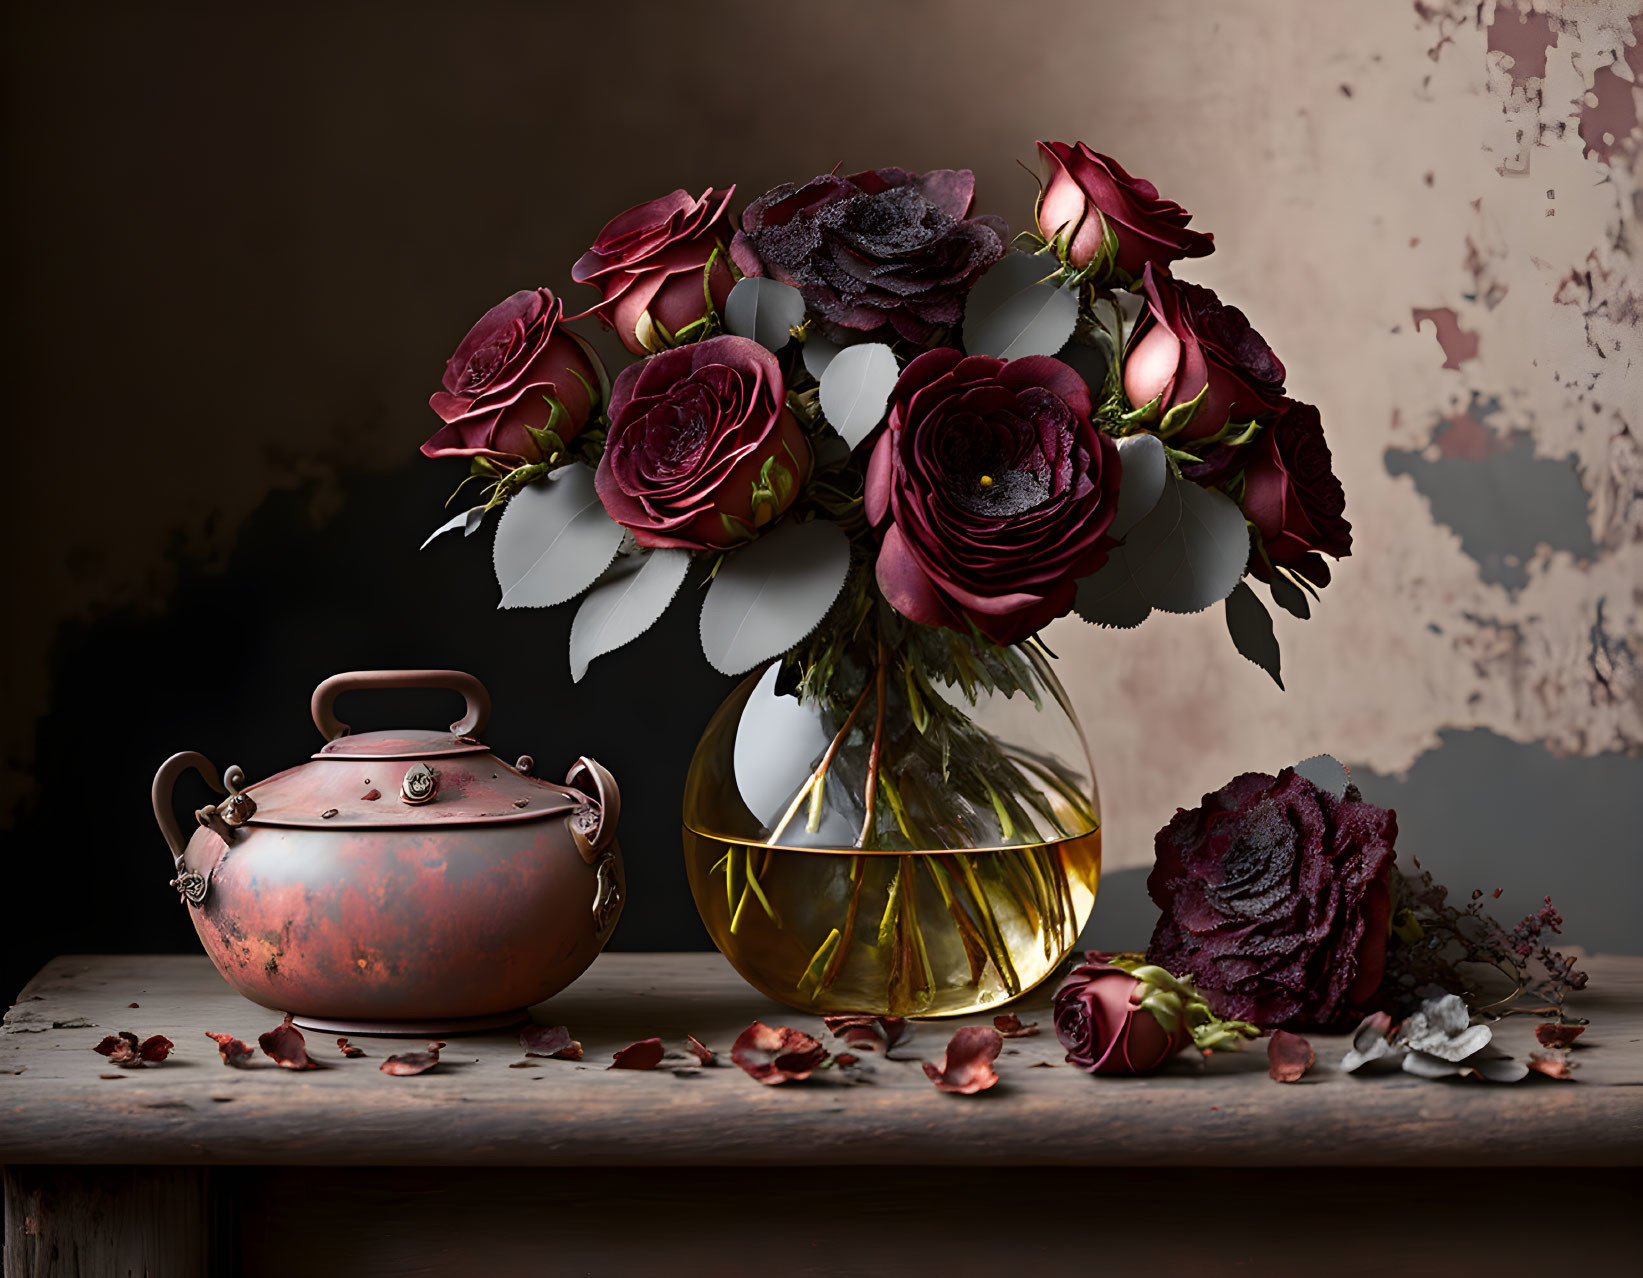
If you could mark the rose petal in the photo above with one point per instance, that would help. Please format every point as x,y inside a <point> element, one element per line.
<point>155,1048</point>
<point>1559,1035</point>
<point>645,1054</point>
<point>868,1033</point>
<point>696,1049</point>
<point>776,1054</point>
<point>550,1040</point>
<point>1288,1056</point>
<point>1553,1066</point>
<point>966,1066</point>
<point>120,1048</point>
<point>348,1049</point>
<point>408,1063</point>
<point>285,1046</point>
<point>234,1052</point>
<point>1010,1026</point>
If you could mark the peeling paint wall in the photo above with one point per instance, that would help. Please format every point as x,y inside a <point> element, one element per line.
<point>232,281</point>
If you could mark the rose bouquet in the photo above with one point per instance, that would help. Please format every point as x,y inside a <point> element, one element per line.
<point>893,444</point>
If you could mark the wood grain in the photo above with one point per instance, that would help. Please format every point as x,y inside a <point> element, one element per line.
<point>474,1110</point>
<point>92,1222</point>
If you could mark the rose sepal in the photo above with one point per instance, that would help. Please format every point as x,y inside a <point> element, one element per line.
<point>1176,1004</point>
<point>1178,418</point>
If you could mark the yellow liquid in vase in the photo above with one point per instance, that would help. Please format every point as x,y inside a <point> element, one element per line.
<point>901,934</point>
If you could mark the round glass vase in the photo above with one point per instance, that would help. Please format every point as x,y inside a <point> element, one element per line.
<point>905,847</point>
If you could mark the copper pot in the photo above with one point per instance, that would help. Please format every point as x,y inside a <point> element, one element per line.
<point>400,882</point>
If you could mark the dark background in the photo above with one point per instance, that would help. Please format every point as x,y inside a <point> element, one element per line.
<point>238,248</point>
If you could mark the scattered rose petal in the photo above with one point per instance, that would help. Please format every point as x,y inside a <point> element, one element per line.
<point>1288,1056</point>
<point>131,1005</point>
<point>1549,1035</point>
<point>1551,1064</point>
<point>285,1046</point>
<point>550,1040</point>
<point>407,1063</point>
<point>698,1050</point>
<point>111,1076</point>
<point>124,1050</point>
<point>234,1052</point>
<point>776,1054</point>
<point>647,1053</point>
<point>847,1060</point>
<point>869,1033</point>
<point>348,1049</point>
<point>1010,1026</point>
<point>526,1065</point>
<point>967,1064</point>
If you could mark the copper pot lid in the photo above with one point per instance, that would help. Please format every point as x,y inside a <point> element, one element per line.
<point>398,777</point>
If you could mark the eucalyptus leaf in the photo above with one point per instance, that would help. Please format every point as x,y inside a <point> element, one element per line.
<point>553,541</point>
<point>1092,363</point>
<point>1015,310</point>
<point>1250,625</point>
<point>1288,596</point>
<point>1144,471</point>
<point>468,521</point>
<point>855,389</point>
<point>819,352</point>
<point>772,593</point>
<point>627,601</point>
<point>1326,772</point>
<point>765,310</point>
<point>1183,555</point>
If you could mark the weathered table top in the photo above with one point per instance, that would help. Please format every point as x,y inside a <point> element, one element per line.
<point>55,1106</point>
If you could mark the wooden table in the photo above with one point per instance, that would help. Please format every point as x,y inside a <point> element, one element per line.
<point>191,1167</point>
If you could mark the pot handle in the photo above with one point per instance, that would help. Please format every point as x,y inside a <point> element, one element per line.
<point>473,720</point>
<point>593,827</point>
<point>191,886</point>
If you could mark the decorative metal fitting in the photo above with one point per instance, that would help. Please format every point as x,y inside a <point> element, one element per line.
<point>420,785</point>
<point>607,892</point>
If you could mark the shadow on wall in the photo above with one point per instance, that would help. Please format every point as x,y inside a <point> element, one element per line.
<point>227,670</point>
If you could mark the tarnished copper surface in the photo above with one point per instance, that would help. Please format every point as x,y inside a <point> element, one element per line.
<point>329,891</point>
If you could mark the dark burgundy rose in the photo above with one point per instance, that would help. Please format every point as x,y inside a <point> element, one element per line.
<point>885,251</point>
<point>1100,1021</point>
<point>1086,193</point>
<point>702,450</point>
<point>1188,341</point>
<point>1292,497</point>
<point>993,490</point>
<point>653,259</point>
<point>502,380</point>
<point>1275,900</point>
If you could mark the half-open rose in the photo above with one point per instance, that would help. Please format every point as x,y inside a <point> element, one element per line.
<point>994,491</point>
<point>703,450</point>
<point>517,372</point>
<point>1087,195</point>
<point>1190,344</point>
<point>651,264</point>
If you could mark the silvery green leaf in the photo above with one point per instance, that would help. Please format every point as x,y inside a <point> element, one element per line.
<point>1185,554</point>
<point>1497,1067</point>
<point>855,389</point>
<point>1424,1066</point>
<point>553,541</point>
<point>468,521</point>
<point>1288,596</point>
<point>1376,1050</point>
<point>772,593</point>
<point>1142,483</point>
<point>1326,772</point>
<point>1250,625</point>
<point>1092,363</point>
<point>779,739</point>
<point>819,353</point>
<point>1015,309</point>
<point>633,593</point>
<point>1191,551</point>
<point>765,310</point>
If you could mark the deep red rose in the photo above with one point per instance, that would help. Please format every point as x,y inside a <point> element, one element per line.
<point>499,383</point>
<point>702,450</point>
<point>1188,341</point>
<point>884,251</point>
<point>1292,497</point>
<point>1085,193</point>
<point>652,258</point>
<point>994,492</point>
<point>1275,900</point>
<point>1100,1021</point>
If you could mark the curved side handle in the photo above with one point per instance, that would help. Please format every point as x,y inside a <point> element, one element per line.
<point>593,827</point>
<point>191,886</point>
<point>472,722</point>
